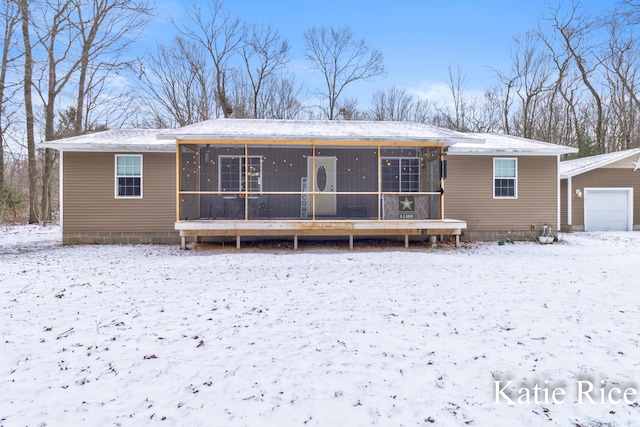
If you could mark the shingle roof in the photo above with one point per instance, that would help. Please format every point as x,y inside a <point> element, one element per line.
<point>243,129</point>
<point>569,168</point>
<point>114,140</point>
<point>507,144</point>
<point>163,140</point>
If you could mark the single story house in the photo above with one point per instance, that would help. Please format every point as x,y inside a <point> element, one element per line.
<point>260,178</point>
<point>601,193</point>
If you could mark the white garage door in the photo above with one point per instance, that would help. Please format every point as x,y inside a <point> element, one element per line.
<point>607,209</point>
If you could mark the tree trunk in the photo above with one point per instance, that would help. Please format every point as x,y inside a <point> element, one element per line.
<point>28,106</point>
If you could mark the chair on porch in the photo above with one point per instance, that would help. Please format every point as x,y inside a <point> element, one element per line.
<point>262,207</point>
<point>218,207</point>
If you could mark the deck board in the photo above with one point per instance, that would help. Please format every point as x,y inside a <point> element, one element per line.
<point>295,228</point>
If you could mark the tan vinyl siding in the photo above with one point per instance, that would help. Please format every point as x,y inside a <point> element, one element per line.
<point>90,205</point>
<point>603,178</point>
<point>469,194</point>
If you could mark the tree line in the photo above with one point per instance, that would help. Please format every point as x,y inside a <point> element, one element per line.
<point>71,67</point>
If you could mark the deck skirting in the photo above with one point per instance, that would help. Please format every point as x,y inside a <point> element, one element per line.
<point>293,228</point>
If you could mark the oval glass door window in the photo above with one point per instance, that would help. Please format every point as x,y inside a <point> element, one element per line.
<point>321,177</point>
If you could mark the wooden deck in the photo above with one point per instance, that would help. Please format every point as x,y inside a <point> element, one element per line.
<point>296,228</point>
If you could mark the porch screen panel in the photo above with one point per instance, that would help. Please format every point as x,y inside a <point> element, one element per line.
<point>354,181</point>
<point>284,187</point>
<point>430,169</point>
<point>356,168</point>
<point>189,167</point>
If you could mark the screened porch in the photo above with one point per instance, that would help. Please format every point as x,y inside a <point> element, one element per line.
<point>268,188</point>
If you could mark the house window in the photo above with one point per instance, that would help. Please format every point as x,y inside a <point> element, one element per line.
<point>400,174</point>
<point>505,175</point>
<point>234,176</point>
<point>128,176</point>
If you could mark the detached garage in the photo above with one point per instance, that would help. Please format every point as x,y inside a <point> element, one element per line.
<point>599,193</point>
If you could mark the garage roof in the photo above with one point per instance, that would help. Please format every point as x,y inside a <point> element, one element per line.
<point>570,168</point>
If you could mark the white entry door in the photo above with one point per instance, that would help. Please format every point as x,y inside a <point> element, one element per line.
<point>322,173</point>
<point>608,209</point>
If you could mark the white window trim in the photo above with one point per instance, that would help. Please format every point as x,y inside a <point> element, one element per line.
<point>226,156</point>
<point>400,159</point>
<point>493,181</point>
<point>116,176</point>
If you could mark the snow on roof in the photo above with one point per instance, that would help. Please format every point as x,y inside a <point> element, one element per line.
<point>163,140</point>
<point>243,129</point>
<point>114,140</point>
<point>569,168</point>
<point>495,143</point>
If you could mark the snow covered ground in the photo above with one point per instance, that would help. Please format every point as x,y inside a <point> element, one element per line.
<point>146,335</point>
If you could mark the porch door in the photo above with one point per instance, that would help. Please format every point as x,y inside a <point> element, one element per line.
<point>323,177</point>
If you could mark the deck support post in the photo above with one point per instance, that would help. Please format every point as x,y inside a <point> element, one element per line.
<point>295,242</point>
<point>183,242</point>
<point>350,241</point>
<point>238,241</point>
<point>406,240</point>
<point>457,240</point>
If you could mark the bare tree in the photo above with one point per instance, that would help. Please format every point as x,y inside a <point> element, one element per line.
<point>423,111</point>
<point>341,59</point>
<point>622,71</point>
<point>485,114</point>
<point>264,54</point>
<point>531,78</point>
<point>573,31</point>
<point>348,110</point>
<point>282,99</point>
<point>457,120</point>
<point>106,29</point>
<point>221,36</point>
<point>393,104</point>
<point>179,89</point>
<point>9,19</point>
<point>28,105</point>
<point>56,39</point>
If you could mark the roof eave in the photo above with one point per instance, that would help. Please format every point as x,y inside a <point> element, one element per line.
<point>511,151</point>
<point>162,148</point>
<point>447,141</point>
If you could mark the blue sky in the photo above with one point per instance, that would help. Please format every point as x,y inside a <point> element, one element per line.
<point>419,38</point>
